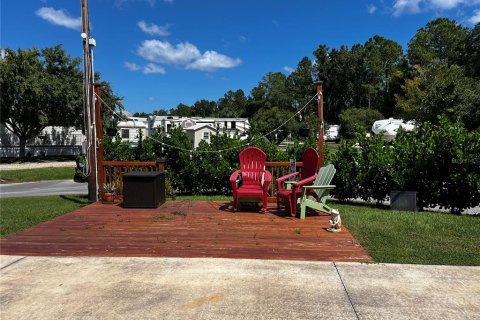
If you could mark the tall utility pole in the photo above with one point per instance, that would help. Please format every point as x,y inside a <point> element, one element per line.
<point>89,108</point>
<point>320,121</point>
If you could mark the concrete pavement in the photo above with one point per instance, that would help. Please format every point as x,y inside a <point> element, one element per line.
<point>42,188</point>
<point>175,288</point>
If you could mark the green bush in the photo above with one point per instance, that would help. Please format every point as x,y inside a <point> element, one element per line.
<point>353,120</point>
<point>347,162</point>
<point>441,163</point>
<point>363,169</point>
<point>375,162</point>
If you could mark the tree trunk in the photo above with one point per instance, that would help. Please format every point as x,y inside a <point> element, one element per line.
<point>23,142</point>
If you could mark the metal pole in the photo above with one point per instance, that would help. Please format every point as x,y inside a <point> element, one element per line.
<point>321,142</point>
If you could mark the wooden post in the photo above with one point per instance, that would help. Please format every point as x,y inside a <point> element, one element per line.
<point>321,142</point>
<point>99,140</point>
<point>89,115</point>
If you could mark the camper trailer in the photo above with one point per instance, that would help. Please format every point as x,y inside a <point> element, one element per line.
<point>389,127</point>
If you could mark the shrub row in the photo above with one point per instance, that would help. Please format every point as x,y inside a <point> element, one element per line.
<point>441,163</point>
<point>204,170</point>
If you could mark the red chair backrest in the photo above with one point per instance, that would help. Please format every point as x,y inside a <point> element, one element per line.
<point>252,165</point>
<point>310,161</point>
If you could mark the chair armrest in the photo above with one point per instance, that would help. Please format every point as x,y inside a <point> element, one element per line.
<point>233,177</point>
<point>283,178</point>
<point>233,180</point>
<point>320,187</point>
<point>267,180</point>
<point>308,180</point>
<point>306,188</point>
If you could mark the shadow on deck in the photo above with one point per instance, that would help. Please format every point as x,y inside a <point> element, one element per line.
<point>185,229</point>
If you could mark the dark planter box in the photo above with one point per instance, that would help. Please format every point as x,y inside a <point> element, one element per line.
<point>143,189</point>
<point>403,200</point>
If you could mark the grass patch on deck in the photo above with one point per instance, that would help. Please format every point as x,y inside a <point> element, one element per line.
<point>21,213</point>
<point>38,174</point>
<point>413,237</point>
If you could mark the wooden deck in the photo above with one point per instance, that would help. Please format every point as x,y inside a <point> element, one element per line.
<point>185,229</point>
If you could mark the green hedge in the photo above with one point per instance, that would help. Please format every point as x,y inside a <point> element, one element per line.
<point>204,170</point>
<point>441,163</point>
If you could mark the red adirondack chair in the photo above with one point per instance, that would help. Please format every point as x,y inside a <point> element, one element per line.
<point>306,177</point>
<point>252,180</point>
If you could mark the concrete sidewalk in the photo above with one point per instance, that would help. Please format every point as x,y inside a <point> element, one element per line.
<point>174,288</point>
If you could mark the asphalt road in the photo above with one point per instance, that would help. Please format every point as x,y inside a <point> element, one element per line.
<point>42,188</point>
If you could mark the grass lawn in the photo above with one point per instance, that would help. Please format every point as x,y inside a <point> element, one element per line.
<point>413,237</point>
<point>39,174</point>
<point>21,213</point>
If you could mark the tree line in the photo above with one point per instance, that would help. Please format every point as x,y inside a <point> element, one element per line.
<point>438,74</point>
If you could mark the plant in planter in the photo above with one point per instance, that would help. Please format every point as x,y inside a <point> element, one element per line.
<point>108,192</point>
<point>169,190</point>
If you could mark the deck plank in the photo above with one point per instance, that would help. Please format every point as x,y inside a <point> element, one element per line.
<point>208,229</point>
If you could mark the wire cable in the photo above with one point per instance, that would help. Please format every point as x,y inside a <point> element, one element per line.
<point>124,118</point>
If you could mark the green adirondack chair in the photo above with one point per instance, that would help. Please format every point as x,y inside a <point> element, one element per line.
<point>322,188</point>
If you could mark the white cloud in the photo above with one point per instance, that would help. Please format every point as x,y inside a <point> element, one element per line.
<point>184,55</point>
<point>163,52</point>
<point>153,29</point>
<point>406,6</point>
<point>212,60</point>
<point>242,39</point>
<point>59,18</point>
<point>152,99</point>
<point>153,68</point>
<point>475,18</point>
<point>132,66</point>
<point>415,6</point>
<point>446,4</point>
<point>371,8</point>
<point>288,69</point>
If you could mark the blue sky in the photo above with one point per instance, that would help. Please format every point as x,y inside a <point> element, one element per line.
<point>159,53</point>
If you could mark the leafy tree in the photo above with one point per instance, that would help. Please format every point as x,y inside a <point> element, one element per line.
<point>204,108</point>
<point>300,84</point>
<point>141,114</point>
<point>182,110</point>
<point>266,120</point>
<point>160,112</point>
<point>355,120</point>
<point>441,41</point>
<point>337,70</point>
<point>441,89</point>
<point>112,102</point>
<point>233,104</point>
<point>383,61</point>
<point>471,59</point>
<point>272,91</point>
<point>39,88</point>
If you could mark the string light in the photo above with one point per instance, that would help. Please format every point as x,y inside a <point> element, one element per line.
<point>122,117</point>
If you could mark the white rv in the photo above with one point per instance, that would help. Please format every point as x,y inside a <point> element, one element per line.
<point>389,127</point>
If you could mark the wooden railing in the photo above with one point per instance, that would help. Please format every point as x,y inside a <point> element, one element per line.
<point>278,169</point>
<point>112,172</point>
